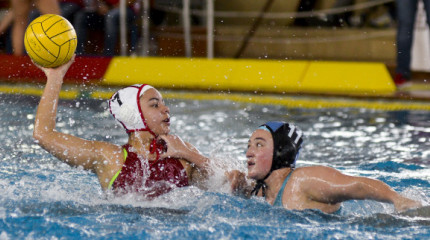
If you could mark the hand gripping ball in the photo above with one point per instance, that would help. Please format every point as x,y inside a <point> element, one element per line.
<point>50,40</point>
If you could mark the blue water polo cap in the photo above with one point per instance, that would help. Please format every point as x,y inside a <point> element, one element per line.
<point>287,141</point>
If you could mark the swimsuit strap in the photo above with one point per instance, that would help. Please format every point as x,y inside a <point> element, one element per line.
<point>278,200</point>
<point>125,152</point>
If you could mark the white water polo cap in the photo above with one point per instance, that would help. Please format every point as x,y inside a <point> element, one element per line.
<point>124,105</point>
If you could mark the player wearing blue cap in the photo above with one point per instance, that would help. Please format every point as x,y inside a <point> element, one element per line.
<point>272,153</point>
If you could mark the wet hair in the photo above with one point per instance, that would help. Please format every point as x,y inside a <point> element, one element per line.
<point>287,142</point>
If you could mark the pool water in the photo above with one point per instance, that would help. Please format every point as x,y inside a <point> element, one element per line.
<point>43,198</point>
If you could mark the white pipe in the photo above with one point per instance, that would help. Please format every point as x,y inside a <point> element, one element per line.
<point>187,26</point>
<point>145,28</point>
<point>123,27</point>
<point>210,28</point>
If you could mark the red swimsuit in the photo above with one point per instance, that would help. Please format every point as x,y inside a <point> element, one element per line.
<point>151,179</point>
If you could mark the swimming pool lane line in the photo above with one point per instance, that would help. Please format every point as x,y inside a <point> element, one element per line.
<point>289,102</point>
<point>35,91</point>
<point>292,102</point>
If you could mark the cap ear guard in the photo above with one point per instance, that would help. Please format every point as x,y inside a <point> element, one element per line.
<point>128,116</point>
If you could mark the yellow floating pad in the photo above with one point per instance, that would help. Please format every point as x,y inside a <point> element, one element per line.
<point>218,74</point>
<point>360,78</point>
<point>356,78</point>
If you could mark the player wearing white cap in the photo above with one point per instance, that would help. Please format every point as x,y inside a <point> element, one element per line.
<point>140,166</point>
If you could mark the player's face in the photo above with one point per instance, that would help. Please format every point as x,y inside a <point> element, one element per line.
<point>259,154</point>
<point>156,113</point>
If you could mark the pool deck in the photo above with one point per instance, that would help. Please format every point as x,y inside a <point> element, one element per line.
<point>417,89</point>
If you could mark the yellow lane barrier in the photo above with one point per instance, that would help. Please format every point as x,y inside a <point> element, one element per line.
<point>283,100</point>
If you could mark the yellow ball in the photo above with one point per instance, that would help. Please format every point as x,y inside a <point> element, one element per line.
<point>50,40</point>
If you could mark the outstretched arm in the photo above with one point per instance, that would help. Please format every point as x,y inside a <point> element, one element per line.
<point>183,150</point>
<point>70,149</point>
<point>328,185</point>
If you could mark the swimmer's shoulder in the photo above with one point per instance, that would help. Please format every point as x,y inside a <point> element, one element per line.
<point>109,152</point>
<point>304,171</point>
<point>308,176</point>
<point>110,159</point>
<point>317,170</point>
<point>107,147</point>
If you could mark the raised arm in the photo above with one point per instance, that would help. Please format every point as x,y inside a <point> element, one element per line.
<point>70,149</point>
<point>328,185</point>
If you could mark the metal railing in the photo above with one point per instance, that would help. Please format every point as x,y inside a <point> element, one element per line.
<point>210,14</point>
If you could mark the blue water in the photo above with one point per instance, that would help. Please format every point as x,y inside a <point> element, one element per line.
<point>43,198</point>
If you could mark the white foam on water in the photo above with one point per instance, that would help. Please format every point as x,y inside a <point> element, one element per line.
<point>2,213</point>
<point>4,236</point>
<point>221,132</point>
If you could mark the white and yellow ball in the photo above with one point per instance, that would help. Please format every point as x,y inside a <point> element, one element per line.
<point>50,40</point>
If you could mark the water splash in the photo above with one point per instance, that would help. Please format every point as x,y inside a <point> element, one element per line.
<point>43,198</point>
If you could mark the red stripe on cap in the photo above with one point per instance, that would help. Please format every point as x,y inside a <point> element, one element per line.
<point>154,148</point>
<point>139,108</point>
